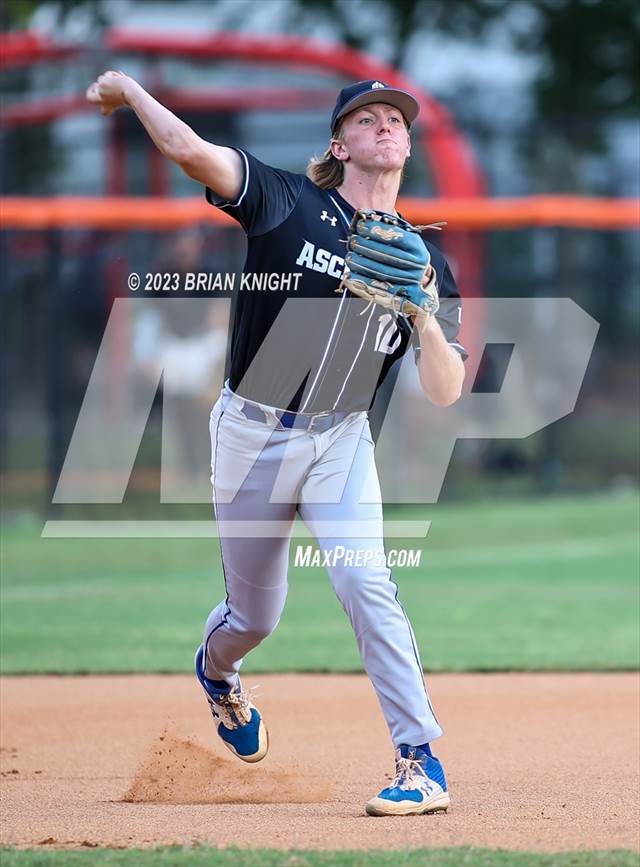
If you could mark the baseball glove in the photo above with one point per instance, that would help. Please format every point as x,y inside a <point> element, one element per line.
<point>386,263</point>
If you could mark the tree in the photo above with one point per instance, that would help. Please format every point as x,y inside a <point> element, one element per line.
<point>589,64</point>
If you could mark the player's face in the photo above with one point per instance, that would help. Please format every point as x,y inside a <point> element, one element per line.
<point>374,137</point>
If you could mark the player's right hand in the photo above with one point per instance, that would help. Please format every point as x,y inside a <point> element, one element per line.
<point>108,91</point>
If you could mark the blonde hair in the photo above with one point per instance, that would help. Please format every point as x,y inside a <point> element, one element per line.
<point>326,171</point>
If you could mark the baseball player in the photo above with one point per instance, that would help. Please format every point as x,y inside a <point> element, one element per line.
<point>290,433</point>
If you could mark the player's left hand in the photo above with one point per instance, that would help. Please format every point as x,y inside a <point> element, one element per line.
<point>108,91</point>
<point>430,288</point>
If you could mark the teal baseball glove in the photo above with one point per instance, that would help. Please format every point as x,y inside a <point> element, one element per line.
<point>388,263</point>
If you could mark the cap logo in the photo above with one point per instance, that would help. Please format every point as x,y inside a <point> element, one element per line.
<point>377,84</point>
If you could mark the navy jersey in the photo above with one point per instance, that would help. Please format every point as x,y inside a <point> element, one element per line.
<point>296,343</point>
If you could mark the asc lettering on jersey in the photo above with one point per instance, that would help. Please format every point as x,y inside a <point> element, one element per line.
<point>322,261</point>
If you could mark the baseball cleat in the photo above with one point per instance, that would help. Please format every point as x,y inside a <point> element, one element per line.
<point>239,723</point>
<point>419,786</point>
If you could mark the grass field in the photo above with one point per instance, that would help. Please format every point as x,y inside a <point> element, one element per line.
<point>537,584</point>
<point>206,857</point>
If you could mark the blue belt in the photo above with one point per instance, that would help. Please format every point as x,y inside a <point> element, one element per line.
<point>295,420</point>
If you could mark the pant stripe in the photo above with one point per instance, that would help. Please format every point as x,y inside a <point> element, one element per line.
<point>413,644</point>
<point>224,573</point>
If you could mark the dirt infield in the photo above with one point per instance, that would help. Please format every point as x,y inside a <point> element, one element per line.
<point>540,762</point>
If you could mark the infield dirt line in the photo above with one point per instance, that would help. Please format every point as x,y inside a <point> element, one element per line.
<point>544,762</point>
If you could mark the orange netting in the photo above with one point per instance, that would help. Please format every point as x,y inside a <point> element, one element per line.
<point>18,212</point>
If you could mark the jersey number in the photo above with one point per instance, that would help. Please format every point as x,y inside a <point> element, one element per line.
<point>389,336</point>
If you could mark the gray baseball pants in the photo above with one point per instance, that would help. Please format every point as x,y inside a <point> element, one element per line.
<point>262,475</point>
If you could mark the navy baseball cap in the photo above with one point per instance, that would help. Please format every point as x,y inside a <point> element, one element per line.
<point>365,92</point>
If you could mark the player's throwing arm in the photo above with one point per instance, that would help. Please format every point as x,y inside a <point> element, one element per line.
<point>219,168</point>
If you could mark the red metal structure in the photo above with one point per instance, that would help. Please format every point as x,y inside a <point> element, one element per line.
<point>454,169</point>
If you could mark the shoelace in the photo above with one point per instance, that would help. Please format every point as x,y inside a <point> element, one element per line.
<point>410,774</point>
<point>235,707</point>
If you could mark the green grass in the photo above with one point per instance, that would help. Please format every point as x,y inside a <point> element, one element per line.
<point>206,857</point>
<point>548,583</point>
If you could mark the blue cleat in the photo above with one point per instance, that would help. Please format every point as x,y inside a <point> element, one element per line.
<point>419,786</point>
<point>239,723</point>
